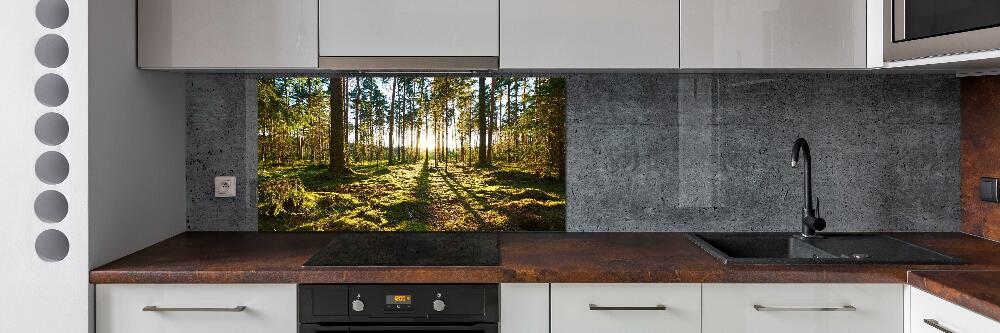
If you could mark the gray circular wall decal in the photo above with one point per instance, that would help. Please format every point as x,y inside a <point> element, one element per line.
<point>51,51</point>
<point>51,129</point>
<point>51,90</point>
<point>52,13</point>
<point>52,245</point>
<point>52,167</point>
<point>51,206</point>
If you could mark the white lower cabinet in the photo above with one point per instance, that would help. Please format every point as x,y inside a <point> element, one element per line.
<point>524,308</point>
<point>803,308</point>
<point>930,314</point>
<point>634,308</point>
<point>570,308</point>
<point>196,308</point>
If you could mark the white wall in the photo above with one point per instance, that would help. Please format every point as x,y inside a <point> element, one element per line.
<point>137,186</point>
<point>40,295</point>
<point>125,125</point>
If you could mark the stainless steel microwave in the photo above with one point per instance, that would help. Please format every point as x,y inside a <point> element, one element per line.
<point>929,28</point>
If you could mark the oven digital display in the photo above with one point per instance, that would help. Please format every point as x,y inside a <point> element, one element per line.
<point>398,299</point>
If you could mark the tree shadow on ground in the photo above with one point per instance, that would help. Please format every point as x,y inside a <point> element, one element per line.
<point>462,199</point>
<point>523,179</point>
<point>481,200</point>
<point>414,214</point>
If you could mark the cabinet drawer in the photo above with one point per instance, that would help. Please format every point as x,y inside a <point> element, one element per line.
<point>948,316</point>
<point>268,308</point>
<point>803,308</point>
<point>635,308</point>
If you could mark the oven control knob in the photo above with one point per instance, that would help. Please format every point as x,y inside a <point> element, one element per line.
<point>438,305</point>
<point>358,305</point>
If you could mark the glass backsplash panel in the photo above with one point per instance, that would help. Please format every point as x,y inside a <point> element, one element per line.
<point>409,153</point>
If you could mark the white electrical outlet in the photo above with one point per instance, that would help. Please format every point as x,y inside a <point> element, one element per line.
<point>225,187</point>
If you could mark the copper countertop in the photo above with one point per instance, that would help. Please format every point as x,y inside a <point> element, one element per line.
<point>249,257</point>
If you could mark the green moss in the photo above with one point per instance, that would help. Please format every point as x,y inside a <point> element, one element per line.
<point>409,197</point>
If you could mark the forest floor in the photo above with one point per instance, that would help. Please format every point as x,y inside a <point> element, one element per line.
<point>409,197</point>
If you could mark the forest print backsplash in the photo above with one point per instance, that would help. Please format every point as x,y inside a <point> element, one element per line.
<point>410,153</point>
<point>682,152</point>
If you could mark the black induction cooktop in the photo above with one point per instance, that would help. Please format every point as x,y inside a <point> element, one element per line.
<point>409,249</point>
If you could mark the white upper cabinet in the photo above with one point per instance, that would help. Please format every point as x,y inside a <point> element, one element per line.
<point>227,34</point>
<point>409,28</point>
<point>776,33</point>
<point>589,34</point>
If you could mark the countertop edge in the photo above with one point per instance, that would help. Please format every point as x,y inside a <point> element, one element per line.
<point>931,282</point>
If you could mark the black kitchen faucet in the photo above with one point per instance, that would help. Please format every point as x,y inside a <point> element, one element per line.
<point>811,223</point>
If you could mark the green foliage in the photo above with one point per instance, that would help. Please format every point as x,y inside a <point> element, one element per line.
<point>293,119</point>
<point>536,215</point>
<point>284,195</point>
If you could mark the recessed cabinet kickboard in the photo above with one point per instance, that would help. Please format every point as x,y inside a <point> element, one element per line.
<point>535,308</point>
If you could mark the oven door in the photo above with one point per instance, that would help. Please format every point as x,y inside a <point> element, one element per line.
<point>916,29</point>
<point>474,328</point>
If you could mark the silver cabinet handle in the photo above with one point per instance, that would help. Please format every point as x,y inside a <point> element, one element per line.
<point>935,324</point>
<point>154,308</point>
<point>759,307</point>
<point>658,307</point>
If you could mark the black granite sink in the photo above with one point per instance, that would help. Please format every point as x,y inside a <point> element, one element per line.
<point>837,248</point>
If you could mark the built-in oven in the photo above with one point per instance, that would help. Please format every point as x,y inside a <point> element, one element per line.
<point>928,28</point>
<point>413,308</point>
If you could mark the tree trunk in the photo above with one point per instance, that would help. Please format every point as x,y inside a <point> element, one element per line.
<point>392,119</point>
<point>303,136</point>
<point>416,146</point>
<point>357,120</point>
<point>510,136</point>
<point>447,113</point>
<point>492,121</point>
<point>346,128</point>
<point>300,148</point>
<point>482,122</point>
<point>427,152</point>
<point>402,130</point>
<point>338,165</point>
<point>437,143</point>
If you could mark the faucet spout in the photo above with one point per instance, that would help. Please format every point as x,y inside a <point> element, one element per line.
<point>810,222</point>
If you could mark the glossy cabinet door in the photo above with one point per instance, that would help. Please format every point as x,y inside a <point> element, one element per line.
<point>930,314</point>
<point>589,34</point>
<point>196,308</point>
<point>626,307</point>
<point>524,308</point>
<point>228,34</point>
<point>803,308</point>
<point>409,28</point>
<point>774,34</point>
